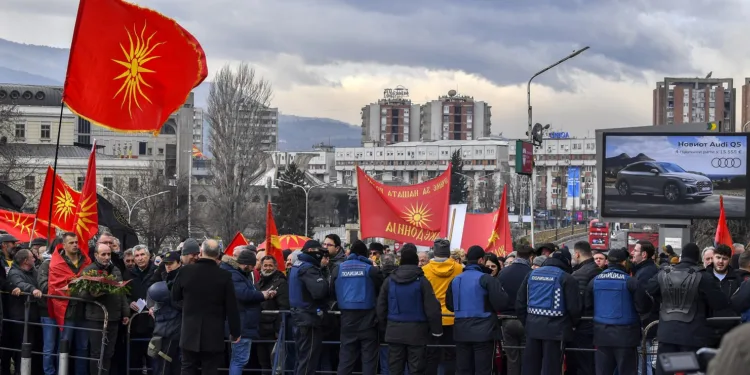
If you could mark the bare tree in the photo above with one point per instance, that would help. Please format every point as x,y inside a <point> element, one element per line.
<point>705,230</point>
<point>15,163</point>
<point>237,101</point>
<point>488,195</point>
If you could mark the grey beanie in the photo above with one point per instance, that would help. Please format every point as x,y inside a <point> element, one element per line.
<point>190,246</point>
<point>539,261</point>
<point>442,248</point>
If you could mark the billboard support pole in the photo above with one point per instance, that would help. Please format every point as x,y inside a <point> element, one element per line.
<point>531,138</point>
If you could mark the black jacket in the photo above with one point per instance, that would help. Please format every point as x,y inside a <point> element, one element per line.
<point>411,333</point>
<point>248,298</point>
<point>358,320</point>
<point>117,305</point>
<point>42,277</point>
<point>549,327</point>
<point>696,333</point>
<point>208,301</point>
<point>584,272</point>
<point>614,335</point>
<point>643,272</point>
<point>741,298</point>
<point>315,290</point>
<point>729,286</point>
<point>480,329</point>
<point>511,278</point>
<point>167,313</point>
<point>270,323</point>
<point>27,282</point>
<point>139,283</point>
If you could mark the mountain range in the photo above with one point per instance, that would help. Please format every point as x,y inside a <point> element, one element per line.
<point>622,160</point>
<point>42,65</point>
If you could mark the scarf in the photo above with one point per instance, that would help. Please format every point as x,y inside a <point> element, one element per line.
<point>59,277</point>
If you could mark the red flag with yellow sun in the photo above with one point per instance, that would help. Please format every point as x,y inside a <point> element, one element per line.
<point>64,202</point>
<point>412,213</point>
<point>272,244</point>
<point>21,225</point>
<point>130,67</point>
<point>87,218</point>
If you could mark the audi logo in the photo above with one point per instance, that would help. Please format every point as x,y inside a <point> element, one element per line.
<point>726,162</point>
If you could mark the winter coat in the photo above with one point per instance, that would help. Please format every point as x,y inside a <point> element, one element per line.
<point>270,323</point>
<point>584,273</point>
<point>139,284</point>
<point>167,313</point>
<point>480,329</point>
<point>440,275</point>
<point>117,305</point>
<point>27,282</point>
<point>248,298</point>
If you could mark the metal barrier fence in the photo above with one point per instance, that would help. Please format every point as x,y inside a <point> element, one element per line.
<point>63,346</point>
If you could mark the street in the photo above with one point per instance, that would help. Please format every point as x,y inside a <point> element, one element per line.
<point>655,206</point>
<point>617,243</point>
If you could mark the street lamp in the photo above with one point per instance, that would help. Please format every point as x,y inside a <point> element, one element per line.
<point>127,204</point>
<point>307,195</point>
<point>528,101</point>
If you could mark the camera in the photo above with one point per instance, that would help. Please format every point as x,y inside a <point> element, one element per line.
<point>687,362</point>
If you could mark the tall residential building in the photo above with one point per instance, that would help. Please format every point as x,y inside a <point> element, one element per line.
<point>691,100</point>
<point>395,118</point>
<point>198,119</point>
<point>745,124</point>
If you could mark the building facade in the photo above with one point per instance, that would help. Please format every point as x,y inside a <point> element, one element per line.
<point>395,118</point>
<point>38,115</point>
<point>691,100</point>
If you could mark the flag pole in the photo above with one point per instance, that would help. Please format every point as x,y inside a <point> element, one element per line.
<point>54,168</point>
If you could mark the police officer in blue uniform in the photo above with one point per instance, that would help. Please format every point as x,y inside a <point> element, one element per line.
<point>549,306</point>
<point>308,298</point>
<point>355,284</point>
<point>410,314</point>
<point>616,301</point>
<point>741,298</point>
<point>475,297</point>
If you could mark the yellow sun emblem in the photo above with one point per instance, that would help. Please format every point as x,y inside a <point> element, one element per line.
<point>64,204</point>
<point>23,224</point>
<point>84,214</point>
<point>417,215</point>
<point>136,56</point>
<point>493,238</point>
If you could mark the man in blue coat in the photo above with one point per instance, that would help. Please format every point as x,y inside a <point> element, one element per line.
<point>475,297</point>
<point>248,304</point>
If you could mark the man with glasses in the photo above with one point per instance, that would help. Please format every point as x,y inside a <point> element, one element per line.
<point>332,243</point>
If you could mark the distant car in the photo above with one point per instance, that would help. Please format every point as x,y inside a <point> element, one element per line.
<point>665,179</point>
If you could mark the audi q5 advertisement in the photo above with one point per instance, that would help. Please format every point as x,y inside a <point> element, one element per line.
<point>674,176</point>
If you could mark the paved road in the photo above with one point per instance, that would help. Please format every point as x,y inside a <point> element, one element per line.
<point>656,206</point>
<point>617,243</point>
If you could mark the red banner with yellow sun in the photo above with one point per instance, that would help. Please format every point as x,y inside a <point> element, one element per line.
<point>412,213</point>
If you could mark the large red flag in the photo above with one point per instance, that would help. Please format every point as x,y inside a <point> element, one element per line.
<point>60,275</point>
<point>238,240</point>
<point>501,241</point>
<point>130,67</point>
<point>63,201</point>
<point>413,213</point>
<point>87,219</point>
<point>477,229</point>
<point>723,237</point>
<point>20,225</point>
<point>273,245</point>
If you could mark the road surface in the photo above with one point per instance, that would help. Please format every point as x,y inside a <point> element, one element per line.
<point>617,243</point>
<point>654,205</point>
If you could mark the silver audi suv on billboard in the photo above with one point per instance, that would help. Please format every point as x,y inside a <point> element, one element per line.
<point>665,179</point>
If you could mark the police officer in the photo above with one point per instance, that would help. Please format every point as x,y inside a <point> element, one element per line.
<point>475,297</point>
<point>686,293</point>
<point>355,285</point>
<point>411,314</point>
<point>308,297</point>
<point>616,301</point>
<point>549,306</point>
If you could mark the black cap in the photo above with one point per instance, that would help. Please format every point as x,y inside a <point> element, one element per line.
<point>38,242</point>
<point>172,256</point>
<point>617,255</point>
<point>8,238</point>
<point>549,246</point>
<point>474,254</point>
<point>247,258</point>
<point>311,245</point>
<point>564,256</point>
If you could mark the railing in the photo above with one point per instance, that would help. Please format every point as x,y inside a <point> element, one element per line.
<point>553,235</point>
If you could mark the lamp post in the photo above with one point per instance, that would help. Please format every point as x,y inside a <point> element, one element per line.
<point>127,204</point>
<point>528,101</point>
<point>307,195</point>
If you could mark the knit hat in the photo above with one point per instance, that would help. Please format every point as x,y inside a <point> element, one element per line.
<point>358,248</point>
<point>691,251</point>
<point>474,254</point>
<point>563,256</point>
<point>247,258</point>
<point>190,247</point>
<point>617,255</point>
<point>252,248</point>
<point>408,245</point>
<point>311,245</point>
<point>539,261</point>
<point>409,256</point>
<point>442,248</point>
<point>377,246</point>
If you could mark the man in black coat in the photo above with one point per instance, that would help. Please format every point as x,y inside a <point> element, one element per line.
<point>729,281</point>
<point>511,278</point>
<point>644,268</point>
<point>22,277</point>
<point>687,294</point>
<point>584,270</point>
<point>208,301</point>
<point>143,275</point>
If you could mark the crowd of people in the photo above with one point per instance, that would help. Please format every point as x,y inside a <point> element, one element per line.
<point>195,309</point>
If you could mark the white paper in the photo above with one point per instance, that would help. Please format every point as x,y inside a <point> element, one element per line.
<point>675,242</point>
<point>141,304</point>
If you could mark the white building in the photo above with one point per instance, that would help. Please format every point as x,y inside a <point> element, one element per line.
<point>555,162</point>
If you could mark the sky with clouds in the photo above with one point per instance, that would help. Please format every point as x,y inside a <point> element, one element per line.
<point>327,58</point>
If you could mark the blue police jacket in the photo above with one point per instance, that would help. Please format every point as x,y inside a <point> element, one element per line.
<point>405,303</point>
<point>545,294</point>
<point>354,287</point>
<point>745,316</point>
<point>296,286</point>
<point>613,303</point>
<point>468,295</point>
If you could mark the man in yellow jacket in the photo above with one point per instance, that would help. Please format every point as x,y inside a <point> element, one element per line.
<point>440,272</point>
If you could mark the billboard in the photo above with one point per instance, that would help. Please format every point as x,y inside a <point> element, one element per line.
<point>524,157</point>
<point>674,176</point>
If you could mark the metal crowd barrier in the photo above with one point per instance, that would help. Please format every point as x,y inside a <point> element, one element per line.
<point>62,354</point>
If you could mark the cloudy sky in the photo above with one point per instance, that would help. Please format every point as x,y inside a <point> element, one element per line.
<point>327,58</point>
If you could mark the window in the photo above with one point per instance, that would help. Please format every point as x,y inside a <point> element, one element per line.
<point>29,183</point>
<point>384,111</point>
<point>20,131</point>
<point>84,131</point>
<point>446,110</point>
<point>108,182</point>
<point>445,118</point>
<point>141,148</point>
<point>382,120</point>
<point>133,184</point>
<point>149,151</point>
<point>46,130</point>
<point>161,151</point>
<point>79,183</point>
